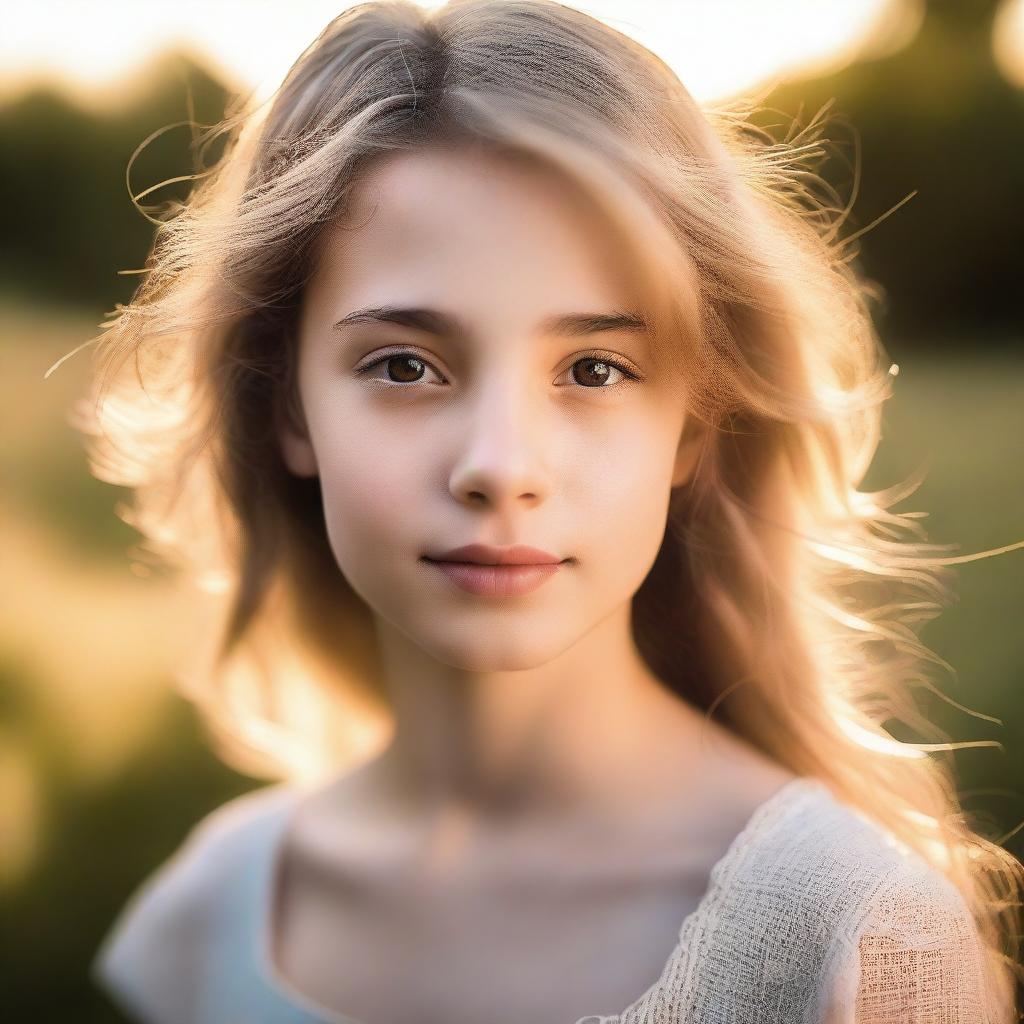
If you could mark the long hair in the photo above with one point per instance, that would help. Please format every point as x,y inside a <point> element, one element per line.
<point>784,598</point>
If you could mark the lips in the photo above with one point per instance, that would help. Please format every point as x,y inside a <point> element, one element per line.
<point>492,581</point>
<point>484,554</point>
<point>487,571</point>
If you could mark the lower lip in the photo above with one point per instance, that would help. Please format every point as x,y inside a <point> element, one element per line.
<point>496,580</point>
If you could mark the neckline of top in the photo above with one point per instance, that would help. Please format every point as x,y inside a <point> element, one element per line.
<point>769,811</point>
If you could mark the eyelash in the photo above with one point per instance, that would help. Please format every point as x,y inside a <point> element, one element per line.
<point>597,356</point>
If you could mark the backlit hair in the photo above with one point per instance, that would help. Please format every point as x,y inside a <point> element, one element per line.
<point>784,598</point>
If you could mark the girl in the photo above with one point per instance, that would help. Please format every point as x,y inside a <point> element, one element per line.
<point>513,408</point>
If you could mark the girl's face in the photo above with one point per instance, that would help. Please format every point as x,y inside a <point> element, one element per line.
<point>458,409</point>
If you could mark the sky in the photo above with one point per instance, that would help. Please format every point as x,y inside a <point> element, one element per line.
<point>717,47</point>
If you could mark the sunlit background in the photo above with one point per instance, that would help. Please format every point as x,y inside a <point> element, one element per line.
<point>103,766</point>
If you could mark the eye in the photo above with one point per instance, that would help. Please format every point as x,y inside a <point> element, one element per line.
<point>405,367</point>
<point>600,367</point>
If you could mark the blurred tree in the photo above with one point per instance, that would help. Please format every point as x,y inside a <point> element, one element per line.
<point>939,118</point>
<point>68,224</point>
<point>936,116</point>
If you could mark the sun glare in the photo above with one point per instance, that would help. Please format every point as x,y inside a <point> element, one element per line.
<point>1008,41</point>
<point>92,51</point>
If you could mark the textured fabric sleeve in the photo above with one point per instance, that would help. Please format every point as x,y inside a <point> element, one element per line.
<point>916,958</point>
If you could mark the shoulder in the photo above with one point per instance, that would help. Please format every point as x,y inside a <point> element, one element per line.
<point>803,839</point>
<point>917,951</point>
<point>897,891</point>
<point>821,910</point>
<point>154,949</point>
<point>796,878</point>
<point>812,841</point>
<point>904,943</point>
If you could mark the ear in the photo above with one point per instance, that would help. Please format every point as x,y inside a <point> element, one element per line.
<point>293,438</point>
<point>691,444</point>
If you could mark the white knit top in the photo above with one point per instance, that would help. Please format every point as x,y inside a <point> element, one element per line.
<point>814,915</point>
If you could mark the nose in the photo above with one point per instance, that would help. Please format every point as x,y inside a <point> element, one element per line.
<point>503,461</point>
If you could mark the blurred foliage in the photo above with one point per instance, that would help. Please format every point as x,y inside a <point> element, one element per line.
<point>74,225</point>
<point>100,845</point>
<point>961,418</point>
<point>936,117</point>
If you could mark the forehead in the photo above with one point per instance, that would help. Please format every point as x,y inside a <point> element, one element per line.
<point>467,227</point>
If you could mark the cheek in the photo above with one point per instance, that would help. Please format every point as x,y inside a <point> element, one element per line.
<point>636,517</point>
<point>627,477</point>
<point>364,473</point>
<point>621,506</point>
<point>369,496</point>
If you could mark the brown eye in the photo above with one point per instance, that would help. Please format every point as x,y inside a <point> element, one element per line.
<point>595,373</point>
<point>401,368</point>
<point>405,369</point>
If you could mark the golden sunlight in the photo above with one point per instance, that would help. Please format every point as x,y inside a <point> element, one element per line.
<point>718,49</point>
<point>1008,41</point>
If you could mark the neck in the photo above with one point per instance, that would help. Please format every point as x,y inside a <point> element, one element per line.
<point>583,734</point>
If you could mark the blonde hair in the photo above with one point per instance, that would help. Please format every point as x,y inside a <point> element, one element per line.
<point>795,594</point>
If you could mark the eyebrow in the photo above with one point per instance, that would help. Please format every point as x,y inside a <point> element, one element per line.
<point>443,324</point>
